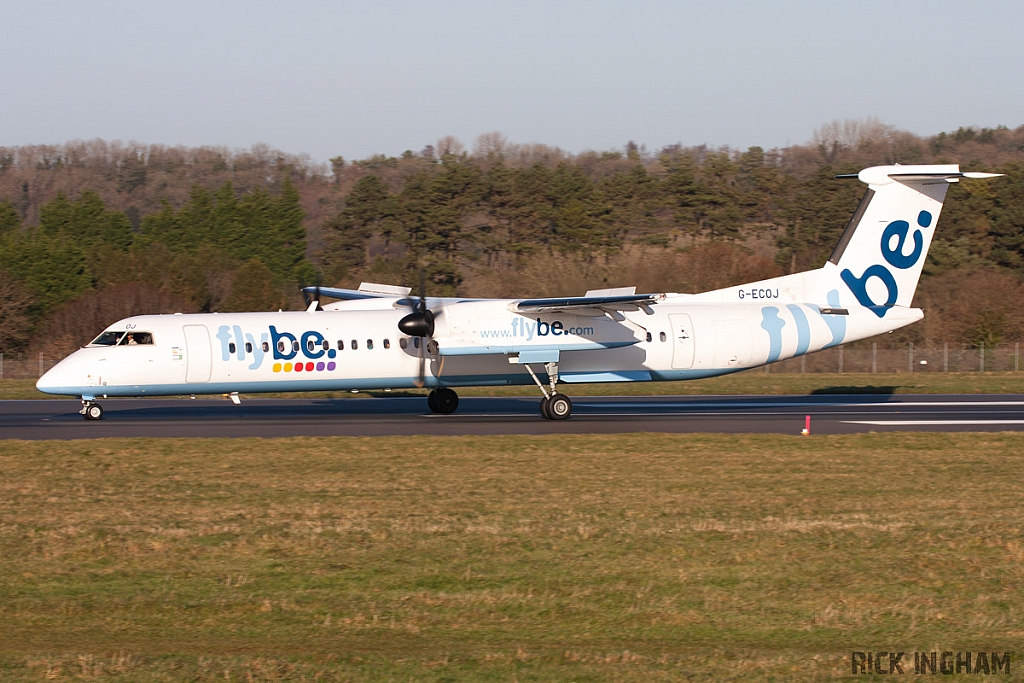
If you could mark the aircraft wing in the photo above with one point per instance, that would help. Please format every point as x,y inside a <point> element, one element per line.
<point>629,302</point>
<point>347,294</point>
<point>367,290</point>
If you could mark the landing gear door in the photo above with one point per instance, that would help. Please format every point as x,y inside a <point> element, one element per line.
<point>682,341</point>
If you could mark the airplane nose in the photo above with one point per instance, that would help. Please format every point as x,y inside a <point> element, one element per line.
<point>61,379</point>
<point>50,382</point>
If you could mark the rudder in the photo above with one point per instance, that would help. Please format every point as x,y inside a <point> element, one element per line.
<point>883,249</point>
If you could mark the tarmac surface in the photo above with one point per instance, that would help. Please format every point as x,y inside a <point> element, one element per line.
<point>830,414</point>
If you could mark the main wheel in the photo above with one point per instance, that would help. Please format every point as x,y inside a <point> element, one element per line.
<point>447,401</point>
<point>559,407</point>
<point>93,411</point>
<point>544,408</point>
<point>432,401</point>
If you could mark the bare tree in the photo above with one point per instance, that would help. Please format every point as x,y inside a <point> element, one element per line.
<point>491,144</point>
<point>79,321</point>
<point>449,144</point>
<point>834,138</point>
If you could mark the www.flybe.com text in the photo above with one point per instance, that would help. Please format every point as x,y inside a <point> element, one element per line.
<point>528,329</point>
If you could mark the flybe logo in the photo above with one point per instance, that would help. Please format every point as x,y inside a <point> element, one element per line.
<point>528,329</point>
<point>894,240</point>
<point>283,346</point>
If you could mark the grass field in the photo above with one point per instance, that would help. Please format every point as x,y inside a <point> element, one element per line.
<point>605,558</point>
<point>750,382</point>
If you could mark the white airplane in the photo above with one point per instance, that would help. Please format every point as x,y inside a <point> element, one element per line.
<point>380,337</point>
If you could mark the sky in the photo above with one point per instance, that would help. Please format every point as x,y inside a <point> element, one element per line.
<point>353,79</point>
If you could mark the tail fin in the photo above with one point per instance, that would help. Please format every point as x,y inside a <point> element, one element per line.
<point>883,249</point>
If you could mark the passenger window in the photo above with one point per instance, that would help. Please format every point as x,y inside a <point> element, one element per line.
<point>326,345</point>
<point>280,346</point>
<point>355,345</point>
<point>248,347</point>
<point>663,336</point>
<point>266,347</point>
<point>369,344</point>
<point>310,345</point>
<point>403,342</point>
<point>231,347</point>
<point>341,345</point>
<point>295,346</point>
<point>416,342</point>
<point>649,337</point>
<point>387,344</point>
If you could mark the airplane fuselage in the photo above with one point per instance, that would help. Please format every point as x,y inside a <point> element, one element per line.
<point>476,343</point>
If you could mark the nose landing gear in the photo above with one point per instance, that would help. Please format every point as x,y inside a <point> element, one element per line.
<point>91,410</point>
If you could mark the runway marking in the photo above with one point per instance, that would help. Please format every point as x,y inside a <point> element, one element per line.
<point>800,404</point>
<point>936,423</point>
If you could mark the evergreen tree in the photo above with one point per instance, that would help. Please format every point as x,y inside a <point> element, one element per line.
<point>86,221</point>
<point>52,268</point>
<point>253,289</point>
<point>10,221</point>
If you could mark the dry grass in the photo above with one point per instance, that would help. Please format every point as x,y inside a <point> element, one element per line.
<point>623,558</point>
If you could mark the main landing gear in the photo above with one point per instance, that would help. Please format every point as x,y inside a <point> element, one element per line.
<point>444,401</point>
<point>91,410</point>
<point>554,406</point>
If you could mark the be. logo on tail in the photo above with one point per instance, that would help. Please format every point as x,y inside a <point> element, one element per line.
<point>897,232</point>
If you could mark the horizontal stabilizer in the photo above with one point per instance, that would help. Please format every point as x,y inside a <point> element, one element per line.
<point>882,175</point>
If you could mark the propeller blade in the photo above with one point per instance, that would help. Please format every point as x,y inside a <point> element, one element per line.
<point>420,323</point>
<point>423,291</point>
<point>315,296</point>
<point>421,379</point>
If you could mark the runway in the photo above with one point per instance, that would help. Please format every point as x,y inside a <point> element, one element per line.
<point>830,414</point>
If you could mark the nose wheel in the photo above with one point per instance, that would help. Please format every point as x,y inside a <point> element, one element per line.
<point>91,410</point>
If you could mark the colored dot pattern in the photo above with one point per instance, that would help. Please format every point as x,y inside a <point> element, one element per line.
<point>305,367</point>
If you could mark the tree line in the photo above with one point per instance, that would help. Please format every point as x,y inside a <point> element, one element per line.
<point>162,229</point>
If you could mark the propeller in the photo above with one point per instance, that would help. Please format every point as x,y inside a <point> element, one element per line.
<point>420,323</point>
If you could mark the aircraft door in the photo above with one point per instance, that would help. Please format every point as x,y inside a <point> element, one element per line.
<point>198,357</point>
<point>682,341</point>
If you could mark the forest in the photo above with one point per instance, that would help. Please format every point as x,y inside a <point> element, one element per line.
<point>91,231</point>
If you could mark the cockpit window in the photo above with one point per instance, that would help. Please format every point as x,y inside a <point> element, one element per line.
<point>107,339</point>
<point>122,338</point>
<point>135,338</point>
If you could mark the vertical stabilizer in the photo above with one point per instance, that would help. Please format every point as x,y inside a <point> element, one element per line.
<point>882,251</point>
